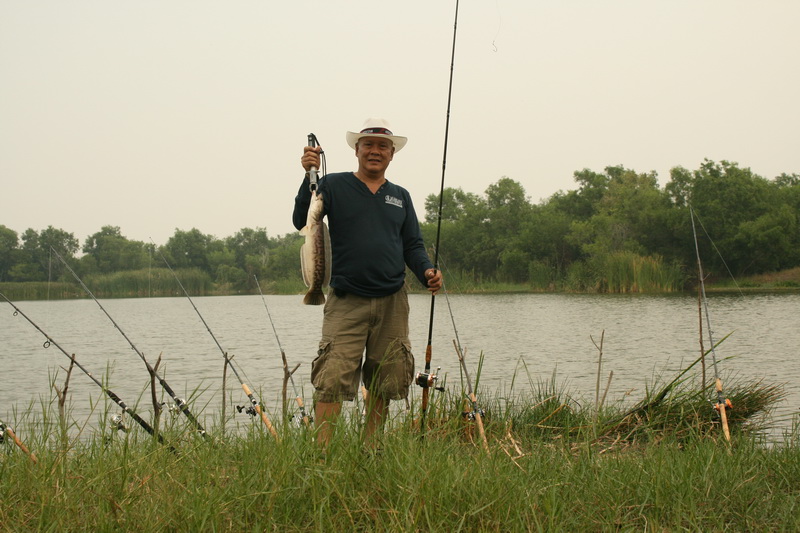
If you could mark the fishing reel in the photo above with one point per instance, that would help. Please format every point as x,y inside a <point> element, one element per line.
<point>296,420</point>
<point>728,405</point>
<point>428,380</point>
<point>2,433</point>
<point>174,409</point>
<point>472,415</point>
<point>249,409</point>
<point>118,425</point>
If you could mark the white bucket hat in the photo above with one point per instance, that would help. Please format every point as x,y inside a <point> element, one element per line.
<point>376,127</point>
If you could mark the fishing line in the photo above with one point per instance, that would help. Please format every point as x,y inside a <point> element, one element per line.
<point>499,24</point>
<point>180,403</point>
<point>426,379</point>
<point>256,406</point>
<point>116,399</point>
<point>476,414</point>
<point>721,401</point>
<point>719,253</point>
<point>297,397</point>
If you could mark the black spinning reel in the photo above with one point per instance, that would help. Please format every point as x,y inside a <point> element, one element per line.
<point>249,409</point>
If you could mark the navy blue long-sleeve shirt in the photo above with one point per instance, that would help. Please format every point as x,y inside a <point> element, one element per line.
<point>373,236</point>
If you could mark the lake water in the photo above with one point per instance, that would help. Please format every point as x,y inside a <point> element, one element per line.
<point>519,334</point>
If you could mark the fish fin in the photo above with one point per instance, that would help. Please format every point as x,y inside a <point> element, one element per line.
<point>316,297</point>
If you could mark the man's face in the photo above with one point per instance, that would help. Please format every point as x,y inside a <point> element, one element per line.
<point>374,154</point>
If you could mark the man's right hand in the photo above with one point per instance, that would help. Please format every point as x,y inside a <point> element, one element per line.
<point>310,157</point>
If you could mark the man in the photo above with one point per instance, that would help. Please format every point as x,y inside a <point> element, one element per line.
<point>374,234</point>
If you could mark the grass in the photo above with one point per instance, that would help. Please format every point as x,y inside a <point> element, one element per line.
<point>783,280</point>
<point>555,464</point>
<point>39,290</point>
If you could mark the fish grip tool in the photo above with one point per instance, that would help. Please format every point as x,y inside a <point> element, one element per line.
<point>313,172</point>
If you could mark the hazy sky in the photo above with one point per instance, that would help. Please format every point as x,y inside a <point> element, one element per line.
<point>153,116</point>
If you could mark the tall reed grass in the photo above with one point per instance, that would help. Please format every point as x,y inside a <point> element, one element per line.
<point>623,272</point>
<point>553,466</point>
<point>149,282</point>
<point>39,290</point>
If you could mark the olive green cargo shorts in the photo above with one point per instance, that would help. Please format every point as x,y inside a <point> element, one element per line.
<point>351,325</point>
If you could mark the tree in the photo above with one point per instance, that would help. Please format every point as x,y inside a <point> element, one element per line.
<point>109,251</point>
<point>283,261</point>
<point>456,204</point>
<point>679,187</point>
<point>464,241</point>
<point>628,216</point>
<point>251,248</point>
<point>8,249</point>
<point>36,261</point>
<point>191,249</point>
<point>724,197</point>
<point>770,241</point>
<point>582,204</point>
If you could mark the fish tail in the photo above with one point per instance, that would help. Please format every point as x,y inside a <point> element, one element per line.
<point>314,297</point>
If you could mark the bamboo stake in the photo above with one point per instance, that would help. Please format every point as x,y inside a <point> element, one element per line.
<point>154,396</point>
<point>61,394</point>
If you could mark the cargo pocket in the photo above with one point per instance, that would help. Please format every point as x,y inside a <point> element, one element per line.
<point>409,364</point>
<point>397,371</point>
<point>318,364</point>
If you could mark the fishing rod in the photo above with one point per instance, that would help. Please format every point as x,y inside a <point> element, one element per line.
<point>116,399</point>
<point>476,413</point>
<point>5,429</point>
<point>427,379</point>
<point>722,402</point>
<point>255,405</point>
<point>181,404</point>
<point>297,397</point>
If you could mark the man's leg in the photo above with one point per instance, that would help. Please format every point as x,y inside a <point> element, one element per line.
<point>325,415</point>
<point>377,409</point>
<point>389,366</point>
<point>336,370</point>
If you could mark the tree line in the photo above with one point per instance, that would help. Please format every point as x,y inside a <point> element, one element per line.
<point>230,263</point>
<point>619,224</point>
<point>618,231</point>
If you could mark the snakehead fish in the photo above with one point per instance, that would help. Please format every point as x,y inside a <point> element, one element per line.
<point>315,255</point>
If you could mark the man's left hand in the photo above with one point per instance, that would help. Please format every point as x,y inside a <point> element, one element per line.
<point>434,278</point>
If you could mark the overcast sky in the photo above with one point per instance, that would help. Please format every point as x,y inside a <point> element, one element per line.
<point>157,115</point>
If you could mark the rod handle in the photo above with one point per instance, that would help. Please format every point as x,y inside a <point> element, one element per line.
<point>722,414</point>
<point>260,412</point>
<point>21,445</point>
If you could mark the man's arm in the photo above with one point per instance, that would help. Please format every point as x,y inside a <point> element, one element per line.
<point>301,203</point>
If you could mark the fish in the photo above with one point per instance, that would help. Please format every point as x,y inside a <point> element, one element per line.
<point>315,254</point>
